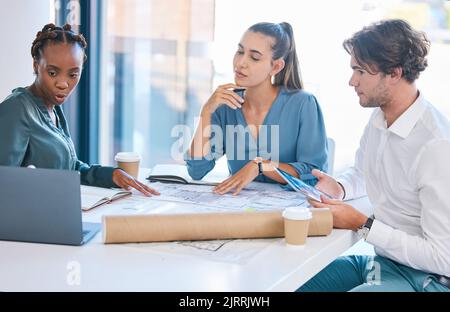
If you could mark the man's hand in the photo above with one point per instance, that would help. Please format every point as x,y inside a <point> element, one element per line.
<point>344,216</point>
<point>328,184</point>
<point>238,181</point>
<point>124,180</point>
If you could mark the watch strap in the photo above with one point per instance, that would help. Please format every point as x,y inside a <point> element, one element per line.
<point>364,230</point>
<point>258,161</point>
<point>369,223</point>
<point>260,169</point>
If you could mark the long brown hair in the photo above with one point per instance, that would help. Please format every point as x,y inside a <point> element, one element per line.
<point>284,47</point>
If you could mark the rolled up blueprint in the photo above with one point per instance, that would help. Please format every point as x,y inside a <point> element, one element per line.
<point>205,226</point>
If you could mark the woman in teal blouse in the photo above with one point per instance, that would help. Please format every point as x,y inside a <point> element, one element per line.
<point>33,128</point>
<point>273,124</point>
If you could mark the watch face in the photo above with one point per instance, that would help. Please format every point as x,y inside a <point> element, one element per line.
<point>363,232</point>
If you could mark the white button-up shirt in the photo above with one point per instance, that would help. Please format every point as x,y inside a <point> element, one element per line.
<point>405,171</point>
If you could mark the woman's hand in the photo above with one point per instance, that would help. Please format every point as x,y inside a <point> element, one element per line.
<point>124,180</point>
<point>328,184</point>
<point>224,96</point>
<point>238,181</point>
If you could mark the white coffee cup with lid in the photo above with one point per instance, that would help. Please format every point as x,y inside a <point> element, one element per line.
<point>129,162</point>
<point>296,225</point>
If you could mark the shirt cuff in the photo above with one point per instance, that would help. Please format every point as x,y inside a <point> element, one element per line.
<point>379,234</point>
<point>347,188</point>
<point>97,175</point>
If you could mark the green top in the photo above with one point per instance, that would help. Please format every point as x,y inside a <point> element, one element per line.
<point>29,137</point>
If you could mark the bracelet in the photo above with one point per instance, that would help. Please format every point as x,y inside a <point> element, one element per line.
<point>343,189</point>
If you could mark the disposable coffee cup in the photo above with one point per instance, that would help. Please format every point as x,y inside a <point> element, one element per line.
<point>296,225</point>
<point>129,162</point>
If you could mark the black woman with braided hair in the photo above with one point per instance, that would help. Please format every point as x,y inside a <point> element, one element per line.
<point>33,128</point>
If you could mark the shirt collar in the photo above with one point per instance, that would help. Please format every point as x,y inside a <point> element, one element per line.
<point>378,119</point>
<point>406,122</point>
<point>36,100</point>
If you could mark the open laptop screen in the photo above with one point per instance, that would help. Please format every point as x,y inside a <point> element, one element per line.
<point>40,205</point>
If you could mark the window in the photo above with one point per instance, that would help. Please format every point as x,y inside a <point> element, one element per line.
<point>320,27</point>
<point>162,59</point>
<point>157,70</point>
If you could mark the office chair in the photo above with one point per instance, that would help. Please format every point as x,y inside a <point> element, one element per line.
<point>331,151</point>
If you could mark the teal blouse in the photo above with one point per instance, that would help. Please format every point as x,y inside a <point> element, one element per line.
<point>29,137</point>
<point>295,127</point>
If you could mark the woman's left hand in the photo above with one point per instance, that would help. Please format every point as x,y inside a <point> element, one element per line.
<point>238,181</point>
<point>124,180</point>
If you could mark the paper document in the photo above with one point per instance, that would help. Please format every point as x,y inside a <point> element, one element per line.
<point>274,198</point>
<point>185,199</point>
<point>235,251</point>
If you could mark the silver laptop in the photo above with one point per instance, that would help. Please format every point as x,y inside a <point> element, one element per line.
<point>42,206</point>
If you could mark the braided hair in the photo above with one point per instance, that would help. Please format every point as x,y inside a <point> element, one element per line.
<point>51,33</point>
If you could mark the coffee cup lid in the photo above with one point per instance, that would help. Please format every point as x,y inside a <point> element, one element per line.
<point>127,157</point>
<point>297,213</point>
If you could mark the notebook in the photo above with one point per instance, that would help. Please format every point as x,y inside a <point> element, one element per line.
<point>179,174</point>
<point>92,196</point>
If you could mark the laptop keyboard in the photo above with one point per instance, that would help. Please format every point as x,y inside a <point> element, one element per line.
<point>89,230</point>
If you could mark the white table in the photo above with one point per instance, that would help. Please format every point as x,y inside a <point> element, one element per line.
<point>100,267</point>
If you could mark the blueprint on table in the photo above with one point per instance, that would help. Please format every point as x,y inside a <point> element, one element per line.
<point>180,198</point>
<point>258,196</point>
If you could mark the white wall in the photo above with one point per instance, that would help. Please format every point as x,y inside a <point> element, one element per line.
<point>20,20</point>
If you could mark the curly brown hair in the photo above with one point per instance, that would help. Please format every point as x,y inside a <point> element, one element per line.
<point>390,44</point>
<point>52,33</point>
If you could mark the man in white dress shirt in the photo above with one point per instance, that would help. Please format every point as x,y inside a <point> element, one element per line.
<point>402,165</point>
